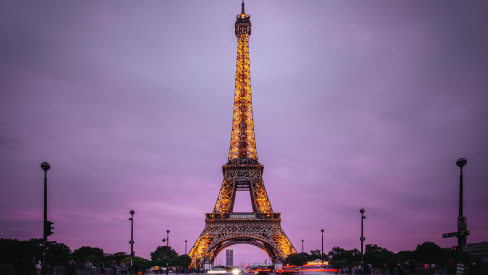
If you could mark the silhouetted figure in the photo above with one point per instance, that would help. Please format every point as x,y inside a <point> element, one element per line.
<point>399,270</point>
<point>71,267</point>
<point>367,270</point>
<point>89,268</point>
<point>38,268</point>
<point>114,268</point>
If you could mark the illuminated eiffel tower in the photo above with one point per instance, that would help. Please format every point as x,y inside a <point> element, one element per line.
<point>243,172</point>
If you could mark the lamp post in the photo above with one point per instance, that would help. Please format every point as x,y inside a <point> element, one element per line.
<point>185,246</point>
<point>162,258</point>
<point>167,250</point>
<point>362,238</point>
<point>45,166</point>
<point>131,219</point>
<point>461,224</point>
<point>322,255</point>
<point>302,246</point>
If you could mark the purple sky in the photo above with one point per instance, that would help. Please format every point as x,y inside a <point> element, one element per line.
<point>356,104</point>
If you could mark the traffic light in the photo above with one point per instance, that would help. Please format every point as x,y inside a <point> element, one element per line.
<point>454,248</point>
<point>50,246</point>
<point>49,228</point>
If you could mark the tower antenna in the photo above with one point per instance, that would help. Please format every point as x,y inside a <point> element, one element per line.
<point>243,7</point>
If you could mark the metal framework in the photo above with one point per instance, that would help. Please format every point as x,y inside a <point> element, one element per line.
<point>243,172</point>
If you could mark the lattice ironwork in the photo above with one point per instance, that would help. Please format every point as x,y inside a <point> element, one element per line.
<point>284,245</point>
<point>223,227</point>
<point>260,197</point>
<point>198,250</point>
<point>242,143</point>
<point>261,230</point>
<point>223,204</point>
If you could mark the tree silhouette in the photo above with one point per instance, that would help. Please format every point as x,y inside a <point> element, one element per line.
<point>159,257</point>
<point>376,255</point>
<point>86,253</point>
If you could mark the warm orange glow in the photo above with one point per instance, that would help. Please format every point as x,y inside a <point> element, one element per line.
<point>256,271</point>
<point>242,144</point>
<point>242,172</point>
<point>287,269</point>
<point>261,198</point>
<point>243,15</point>
<point>313,263</point>
<point>284,245</point>
<point>198,250</point>
<point>224,199</point>
<point>321,270</point>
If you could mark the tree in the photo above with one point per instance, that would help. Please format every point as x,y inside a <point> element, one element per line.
<point>401,257</point>
<point>58,254</point>
<point>377,256</point>
<point>138,262</point>
<point>24,254</point>
<point>116,257</point>
<point>159,257</point>
<point>297,259</point>
<point>183,261</point>
<point>21,254</point>
<point>86,253</point>
<point>430,253</point>
<point>339,257</point>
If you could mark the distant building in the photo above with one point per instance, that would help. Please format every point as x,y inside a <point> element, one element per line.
<point>478,250</point>
<point>229,257</point>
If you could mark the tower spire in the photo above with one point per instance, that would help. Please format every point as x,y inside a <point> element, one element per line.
<point>242,144</point>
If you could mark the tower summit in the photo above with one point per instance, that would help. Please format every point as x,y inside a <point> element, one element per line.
<point>242,172</point>
<point>242,142</point>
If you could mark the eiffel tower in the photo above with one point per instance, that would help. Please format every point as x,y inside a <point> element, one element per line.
<point>243,172</point>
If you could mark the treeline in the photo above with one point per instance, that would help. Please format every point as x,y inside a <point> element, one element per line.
<point>25,254</point>
<point>378,257</point>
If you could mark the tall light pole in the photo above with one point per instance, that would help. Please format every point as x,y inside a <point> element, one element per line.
<point>462,223</point>
<point>322,255</point>
<point>362,237</point>
<point>185,246</point>
<point>302,246</point>
<point>45,166</point>
<point>162,258</point>
<point>131,242</point>
<point>167,251</point>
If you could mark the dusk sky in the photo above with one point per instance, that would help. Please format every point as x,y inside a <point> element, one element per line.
<point>356,104</point>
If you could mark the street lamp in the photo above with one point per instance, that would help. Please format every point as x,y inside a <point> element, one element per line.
<point>362,237</point>
<point>302,246</point>
<point>167,250</point>
<point>185,246</point>
<point>45,166</point>
<point>322,255</point>
<point>131,219</point>
<point>162,258</point>
<point>461,224</point>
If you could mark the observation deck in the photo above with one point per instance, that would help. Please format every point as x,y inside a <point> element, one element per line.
<point>243,216</point>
